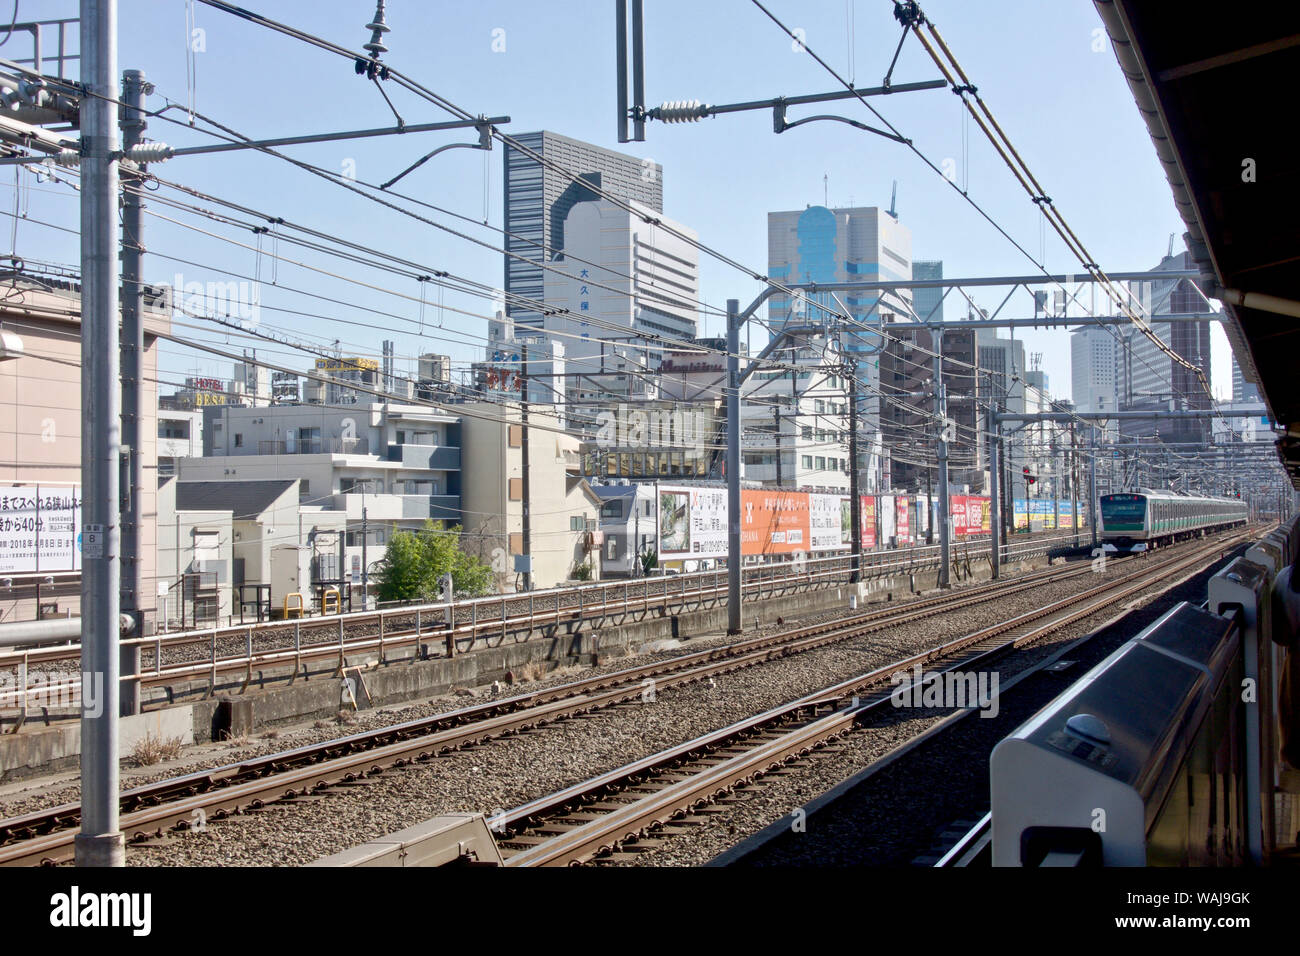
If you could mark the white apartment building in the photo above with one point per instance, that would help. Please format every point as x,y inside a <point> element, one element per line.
<point>180,435</point>
<point>388,466</point>
<point>629,525</point>
<point>795,424</point>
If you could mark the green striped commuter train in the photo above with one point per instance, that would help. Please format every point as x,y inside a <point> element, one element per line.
<point>1137,521</point>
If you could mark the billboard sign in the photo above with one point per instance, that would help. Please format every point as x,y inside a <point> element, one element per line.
<point>692,522</point>
<point>773,522</point>
<point>868,521</point>
<point>828,526</point>
<point>39,528</point>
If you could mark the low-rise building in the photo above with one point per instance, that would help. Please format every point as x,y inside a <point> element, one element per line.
<point>216,544</point>
<point>42,417</point>
<point>385,466</point>
<point>180,435</point>
<point>561,536</point>
<point>629,527</point>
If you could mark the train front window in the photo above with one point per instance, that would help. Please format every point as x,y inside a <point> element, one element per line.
<point>1122,510</point>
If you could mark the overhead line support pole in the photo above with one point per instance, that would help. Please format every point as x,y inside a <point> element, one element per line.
<point>134,90</point>
<point>995,515</point>
<point>100,842</point>
<point>941,413</point>
<point>733,467</point>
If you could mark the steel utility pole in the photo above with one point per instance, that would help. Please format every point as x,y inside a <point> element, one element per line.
<point>1074,485</point>
<point>365,554</point>
<point>134,90</point>
<point>941,413</point>
<point>776,430</point>
<point>100,842</point>
<point>733,466</point>
<point>855,502</point>
<point>1092,488</point>
<point>995,517</point>
<point>929,506</point>
<point>525,486</point>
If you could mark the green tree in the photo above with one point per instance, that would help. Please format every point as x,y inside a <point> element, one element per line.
<point>415,561</point>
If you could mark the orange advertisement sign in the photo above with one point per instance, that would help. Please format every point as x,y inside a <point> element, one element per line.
<point>773,522</point>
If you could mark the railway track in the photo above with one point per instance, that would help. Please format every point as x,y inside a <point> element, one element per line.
<point>289,647</point>
<point>639,806</point>
<point>151,811</point>
<point>177,803</point>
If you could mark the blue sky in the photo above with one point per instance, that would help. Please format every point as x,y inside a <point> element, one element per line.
<point>1063,104</point>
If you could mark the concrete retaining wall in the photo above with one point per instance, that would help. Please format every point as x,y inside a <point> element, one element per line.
<point>193,710</point>
<point>36,750</point>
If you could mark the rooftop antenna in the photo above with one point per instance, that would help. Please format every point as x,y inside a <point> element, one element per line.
<point>893,201</point>
<point>1170,253</point>
<point>826,190</point>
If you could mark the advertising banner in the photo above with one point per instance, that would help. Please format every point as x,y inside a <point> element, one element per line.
<point>868,521</point>
<point>903,525</point>
<point>957,512</point>
<point>692,522</point>
<point>39,528</point>
<point>1020,508</point>
<point>888,519</point>
<point>773,522</point>
<point>828,522</point>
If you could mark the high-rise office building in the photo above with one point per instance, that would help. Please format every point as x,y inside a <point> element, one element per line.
<point>1150,379</point>
<point>907,422</point>
<point>928,303</point>
<point>538,199</point>
<point>840,245</point>
<point>1094,353</point>
<point>1242,390</point>
<point>817,244</point>
<point>637,282</point>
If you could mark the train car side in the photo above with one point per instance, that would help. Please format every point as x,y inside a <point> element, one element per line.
<point>1138,521</point>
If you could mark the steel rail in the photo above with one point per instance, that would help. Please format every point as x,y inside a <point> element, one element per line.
<point>606,832</point>
<point>21,838</point>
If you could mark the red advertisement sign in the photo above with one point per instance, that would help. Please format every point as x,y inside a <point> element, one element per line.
<point>970,514</point>
<point>868,521</point>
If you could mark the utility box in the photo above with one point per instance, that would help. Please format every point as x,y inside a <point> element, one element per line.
<point>290,574</point>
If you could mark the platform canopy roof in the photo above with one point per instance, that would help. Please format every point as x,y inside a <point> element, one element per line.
<point>1215,84</point>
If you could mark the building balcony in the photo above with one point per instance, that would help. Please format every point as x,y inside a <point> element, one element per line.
<point>432,457</point>
<point>330,446</point>
<point>398,507</point>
